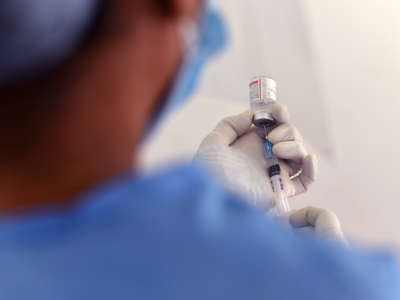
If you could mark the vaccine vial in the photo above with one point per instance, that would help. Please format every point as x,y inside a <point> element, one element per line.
<point>262,94</point>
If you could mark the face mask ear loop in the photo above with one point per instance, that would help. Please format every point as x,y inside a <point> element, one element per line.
<point>190,34</point>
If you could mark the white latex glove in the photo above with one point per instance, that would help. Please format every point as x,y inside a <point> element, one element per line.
<point>319,221</point>
<point>235,151</point>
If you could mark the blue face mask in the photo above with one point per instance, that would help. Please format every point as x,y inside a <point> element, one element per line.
<point>202,42</point>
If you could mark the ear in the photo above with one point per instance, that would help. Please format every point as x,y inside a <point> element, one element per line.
<point>180,8</point>
<point>188,8</point>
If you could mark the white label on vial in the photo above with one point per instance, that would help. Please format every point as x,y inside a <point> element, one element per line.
<point>255,90</point>
<point>260,91</point>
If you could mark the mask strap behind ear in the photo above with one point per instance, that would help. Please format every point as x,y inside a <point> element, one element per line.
<point>190,33</point>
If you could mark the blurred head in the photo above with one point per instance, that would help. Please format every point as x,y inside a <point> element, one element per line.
<point>80,120</point>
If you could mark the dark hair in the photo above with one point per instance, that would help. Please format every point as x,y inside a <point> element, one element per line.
<point>164,6</point>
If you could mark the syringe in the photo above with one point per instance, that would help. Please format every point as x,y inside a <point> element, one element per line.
<point>274,171</point>
<point>263,94</point>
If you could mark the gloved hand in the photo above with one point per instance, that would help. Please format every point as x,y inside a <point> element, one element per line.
<point>319,221</point>
<point>235,151</point>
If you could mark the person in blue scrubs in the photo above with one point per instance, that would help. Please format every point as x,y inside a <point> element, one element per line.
<point>82,84</point>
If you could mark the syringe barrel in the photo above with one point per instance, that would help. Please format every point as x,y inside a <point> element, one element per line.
<point>263,91</point>
<point>281,203</point>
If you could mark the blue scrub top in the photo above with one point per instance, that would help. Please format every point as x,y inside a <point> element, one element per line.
<point>178,235</point>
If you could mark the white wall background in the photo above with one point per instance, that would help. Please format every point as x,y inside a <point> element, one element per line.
<point>337,64</point>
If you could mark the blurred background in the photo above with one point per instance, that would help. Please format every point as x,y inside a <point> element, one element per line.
<point>337,64</point>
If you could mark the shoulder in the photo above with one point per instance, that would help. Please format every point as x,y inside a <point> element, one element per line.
<point>188,189</point>
<point>182,236</point>
<point>207,235</point>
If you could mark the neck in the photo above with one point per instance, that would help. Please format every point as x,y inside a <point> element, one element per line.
<point>71,162</point>
<point>20,192</point>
